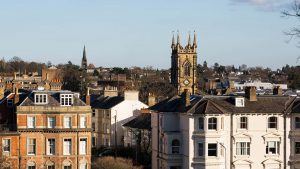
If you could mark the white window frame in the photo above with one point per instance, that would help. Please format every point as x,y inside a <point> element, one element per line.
<point>31,121</point>
<point>32,144</point>
<point>51,120</point>
<point>208,149</point>
<point>40,98</point>
<point>277,147</point>
<point>66,99</point>
<point>68,123</point>
<point>212,124</point>
<point>82,146</point>
<point>67,146</point>
<point>50,146</point>
<point>83,122</point>
<point>242,148</point>
<point>243,123</point>
<point>6,142</point>
<point>276,123</point>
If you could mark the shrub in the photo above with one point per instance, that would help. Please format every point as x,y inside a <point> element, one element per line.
<point>111,163</point>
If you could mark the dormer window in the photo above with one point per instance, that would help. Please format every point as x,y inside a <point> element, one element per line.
<point>66,99</point>
<point>40,99</point>
<point>10,103</point>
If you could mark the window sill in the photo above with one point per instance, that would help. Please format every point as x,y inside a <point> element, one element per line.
<point>242,156</point>
<point>272,155</point>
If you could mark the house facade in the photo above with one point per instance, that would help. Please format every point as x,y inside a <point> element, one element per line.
<point>110,112</point>
<point>53,130</point>
<point>222,132</point>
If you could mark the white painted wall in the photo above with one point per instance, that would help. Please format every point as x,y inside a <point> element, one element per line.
<point>124,112</point>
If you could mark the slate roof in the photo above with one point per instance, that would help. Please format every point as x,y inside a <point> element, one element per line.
<point>53,99</point>
<point>101,102</point>
<point>143,121</point>
<point>174,104</point>
<point>226,104</point>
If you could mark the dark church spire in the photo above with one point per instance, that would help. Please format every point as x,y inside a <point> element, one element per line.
<point>84,60</point>
<point>173,42</point>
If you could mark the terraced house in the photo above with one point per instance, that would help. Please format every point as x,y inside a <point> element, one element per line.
<point>53,131</point>
<point>222,132</point>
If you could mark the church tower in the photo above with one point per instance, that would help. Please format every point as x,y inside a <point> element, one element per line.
<point>84,60</point>
<point>183,65</point>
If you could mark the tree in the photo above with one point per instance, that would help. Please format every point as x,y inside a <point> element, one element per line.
<point>293,12</point>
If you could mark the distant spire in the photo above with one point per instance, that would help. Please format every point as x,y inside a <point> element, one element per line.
<point>84,60</point>
<point>178,38</point>
<point>84,54</point>
<point>189,40</point>
<point>195,41</point>
<point>173,41</point>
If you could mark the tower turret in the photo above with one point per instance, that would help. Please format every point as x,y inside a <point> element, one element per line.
<point>195,41</point>
<point>173,42</point>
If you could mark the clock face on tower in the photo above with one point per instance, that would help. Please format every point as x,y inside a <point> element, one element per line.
<point>186,82</point>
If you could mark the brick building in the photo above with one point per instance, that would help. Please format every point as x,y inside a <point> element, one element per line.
<point>53,130</point>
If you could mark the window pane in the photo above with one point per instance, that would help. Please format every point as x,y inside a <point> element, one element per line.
<point>297,147</point>
<point>200,149</point>
<point>212,149</point>
<point>201,123</point>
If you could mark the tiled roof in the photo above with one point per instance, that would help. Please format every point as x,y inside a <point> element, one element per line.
<point>101,102</point>
<point>174,104</point>
<point>53,99</point>
<point>226,104</point>
<point>143,121</point>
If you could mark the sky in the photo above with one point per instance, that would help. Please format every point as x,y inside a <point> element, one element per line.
<point>125,33</point>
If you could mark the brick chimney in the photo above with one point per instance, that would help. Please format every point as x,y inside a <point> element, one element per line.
<point>151,99</point>
<point>88,97</point>
<point>277,90</point>
<point>186,96</point>
<point>17,96</point>
<point>250,93</point>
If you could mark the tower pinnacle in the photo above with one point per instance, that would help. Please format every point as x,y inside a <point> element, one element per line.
<point>195,41</point>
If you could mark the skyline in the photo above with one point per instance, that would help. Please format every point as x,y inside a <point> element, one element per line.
<point>135,33</point>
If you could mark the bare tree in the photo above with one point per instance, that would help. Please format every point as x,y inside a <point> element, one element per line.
<point>294,12</point>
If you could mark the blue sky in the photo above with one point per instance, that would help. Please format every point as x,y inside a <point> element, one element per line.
<point>128,33</point>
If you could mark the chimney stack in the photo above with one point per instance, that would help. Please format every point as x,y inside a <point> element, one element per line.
<point>250,93</point>
<point>17,96</point>
<point>88,97</point>
<point>277,91</point>
<point>151,99</point>
<point>186,96</point>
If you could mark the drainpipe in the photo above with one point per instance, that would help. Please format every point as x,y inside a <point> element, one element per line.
<point>231,142</point>
<point>284,141</point>
<point>157,140</point>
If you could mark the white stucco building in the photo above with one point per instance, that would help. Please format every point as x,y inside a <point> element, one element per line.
<point>111,111</point>
<point>259,85</point>
<point>226,132</point>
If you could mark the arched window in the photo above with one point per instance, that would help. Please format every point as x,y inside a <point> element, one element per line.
<point>175,146</point>
<point>31,165</point>
<point>67,164</point>
<point>187,68</point>
<point>272,122</point>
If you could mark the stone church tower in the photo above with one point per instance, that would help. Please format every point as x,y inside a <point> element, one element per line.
<point>84,60</point>
<point>183,65</point>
